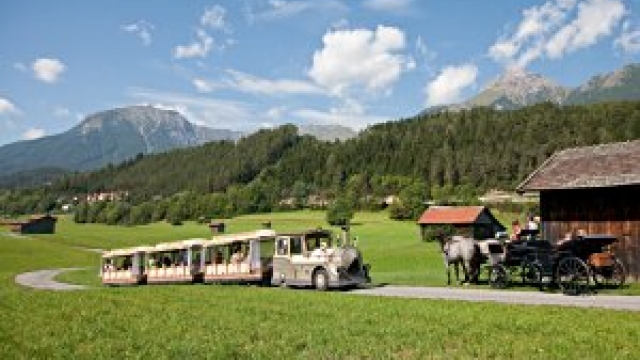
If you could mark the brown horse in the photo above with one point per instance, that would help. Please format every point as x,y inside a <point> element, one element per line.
<point>457,251</point>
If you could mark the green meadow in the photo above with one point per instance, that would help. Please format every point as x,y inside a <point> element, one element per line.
<point>237,322</point>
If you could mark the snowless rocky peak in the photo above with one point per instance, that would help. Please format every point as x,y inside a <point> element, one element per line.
<point>523,87</point>
<point>611,80</point>
<point>144,118</point>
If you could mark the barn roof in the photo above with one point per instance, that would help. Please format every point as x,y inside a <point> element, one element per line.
<point>605,165</point>
<point>451,215</point>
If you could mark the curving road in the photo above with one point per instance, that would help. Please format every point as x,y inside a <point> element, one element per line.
<point>43,279</point>
<point>511,297</point>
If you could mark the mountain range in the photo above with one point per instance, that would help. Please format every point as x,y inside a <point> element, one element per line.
<point>113,136</point>
<point>106,137</point>
<point>518,88</point>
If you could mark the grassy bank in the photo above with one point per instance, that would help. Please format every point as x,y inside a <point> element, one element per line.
<point>197,321</point>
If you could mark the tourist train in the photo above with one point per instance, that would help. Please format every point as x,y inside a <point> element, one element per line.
<point>310,258</point>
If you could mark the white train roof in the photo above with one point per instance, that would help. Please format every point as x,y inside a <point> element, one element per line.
<point>260,235</point>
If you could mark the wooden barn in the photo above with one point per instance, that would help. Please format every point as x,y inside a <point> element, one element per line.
<point>471,221</point>
<point>596,189</point>
<point>36,225</point>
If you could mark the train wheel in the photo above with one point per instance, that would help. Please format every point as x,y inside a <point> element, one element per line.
<point>498,277</point>
<point>610,276</point>
<point>532,274</point>
<point>573,276</point>
<point>321,280</point>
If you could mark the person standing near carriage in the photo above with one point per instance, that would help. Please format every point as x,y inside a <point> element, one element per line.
<point>532,224</point>
<point>515,230</point>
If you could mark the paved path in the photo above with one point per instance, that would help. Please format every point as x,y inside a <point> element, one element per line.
<point>43,279</point>
<point>511,297</point>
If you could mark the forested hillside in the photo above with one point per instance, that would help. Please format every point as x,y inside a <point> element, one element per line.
<point>456,153</point>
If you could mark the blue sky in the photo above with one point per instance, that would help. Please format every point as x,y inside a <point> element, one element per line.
<point>249,64</point>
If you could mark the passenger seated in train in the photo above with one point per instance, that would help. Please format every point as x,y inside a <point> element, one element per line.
<point>218,258</point>
<point>108,266</point>
<point>166,261</point>
<point>183,258</point>
<point>152,263</point>
<point>238,256</point>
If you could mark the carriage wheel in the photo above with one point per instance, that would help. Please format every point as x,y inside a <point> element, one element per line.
<point>498,277</point>
<point>532,274</point>
<point>610,276</point>
<point>573,276</point>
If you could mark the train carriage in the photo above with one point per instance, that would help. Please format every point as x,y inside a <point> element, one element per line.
<point>123,266</point>
<point>298,259</point>
<point>243,257</point>
<point>176,262</point>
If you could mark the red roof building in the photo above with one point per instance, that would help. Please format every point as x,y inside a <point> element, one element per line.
<point>471,221</point>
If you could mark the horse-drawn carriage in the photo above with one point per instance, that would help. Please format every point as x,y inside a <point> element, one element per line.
<point>573,265</point>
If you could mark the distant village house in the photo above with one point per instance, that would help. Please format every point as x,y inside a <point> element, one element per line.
<point>494,196</point>
<point>107,196</point>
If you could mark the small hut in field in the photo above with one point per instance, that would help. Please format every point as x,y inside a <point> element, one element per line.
<point>594,189</point>
<point>470,221</point>
<point>45,224</point>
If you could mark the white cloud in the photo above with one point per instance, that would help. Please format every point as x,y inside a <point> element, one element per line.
<point>504,50</point>
<point>21,67</point>
<point>204,86</point>
<point>281,9</point>
<point>276,113</point>
<point>556,28</point>
<point>253,84</point>
<point>360,57</point>
<point>198,48</point>
<point>629,39</point>
<point>211,112</point>
<point>7,107</point>
<point>61,112</point>
<point>142,29</point>
<point>48,70</point>
<point>447,87</point>
<point>32,134</point>
<point>595,19</point>
<point>350,113</point>
<point>214,18</point>
<point>423,52</point>
<point>339,24</point>
<point>397,6</point>
<point>527,42</point>
<point>248,83</point>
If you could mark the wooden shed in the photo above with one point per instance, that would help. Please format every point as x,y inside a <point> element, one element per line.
<point>471,221</point>
<point>36,225</point>
<point>596,189</point>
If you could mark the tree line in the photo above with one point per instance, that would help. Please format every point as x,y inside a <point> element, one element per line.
<point>444,156</point>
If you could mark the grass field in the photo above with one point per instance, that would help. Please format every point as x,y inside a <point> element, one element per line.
<point>223,322</point>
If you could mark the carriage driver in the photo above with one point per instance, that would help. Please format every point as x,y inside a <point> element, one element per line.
<point>320,251</point>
